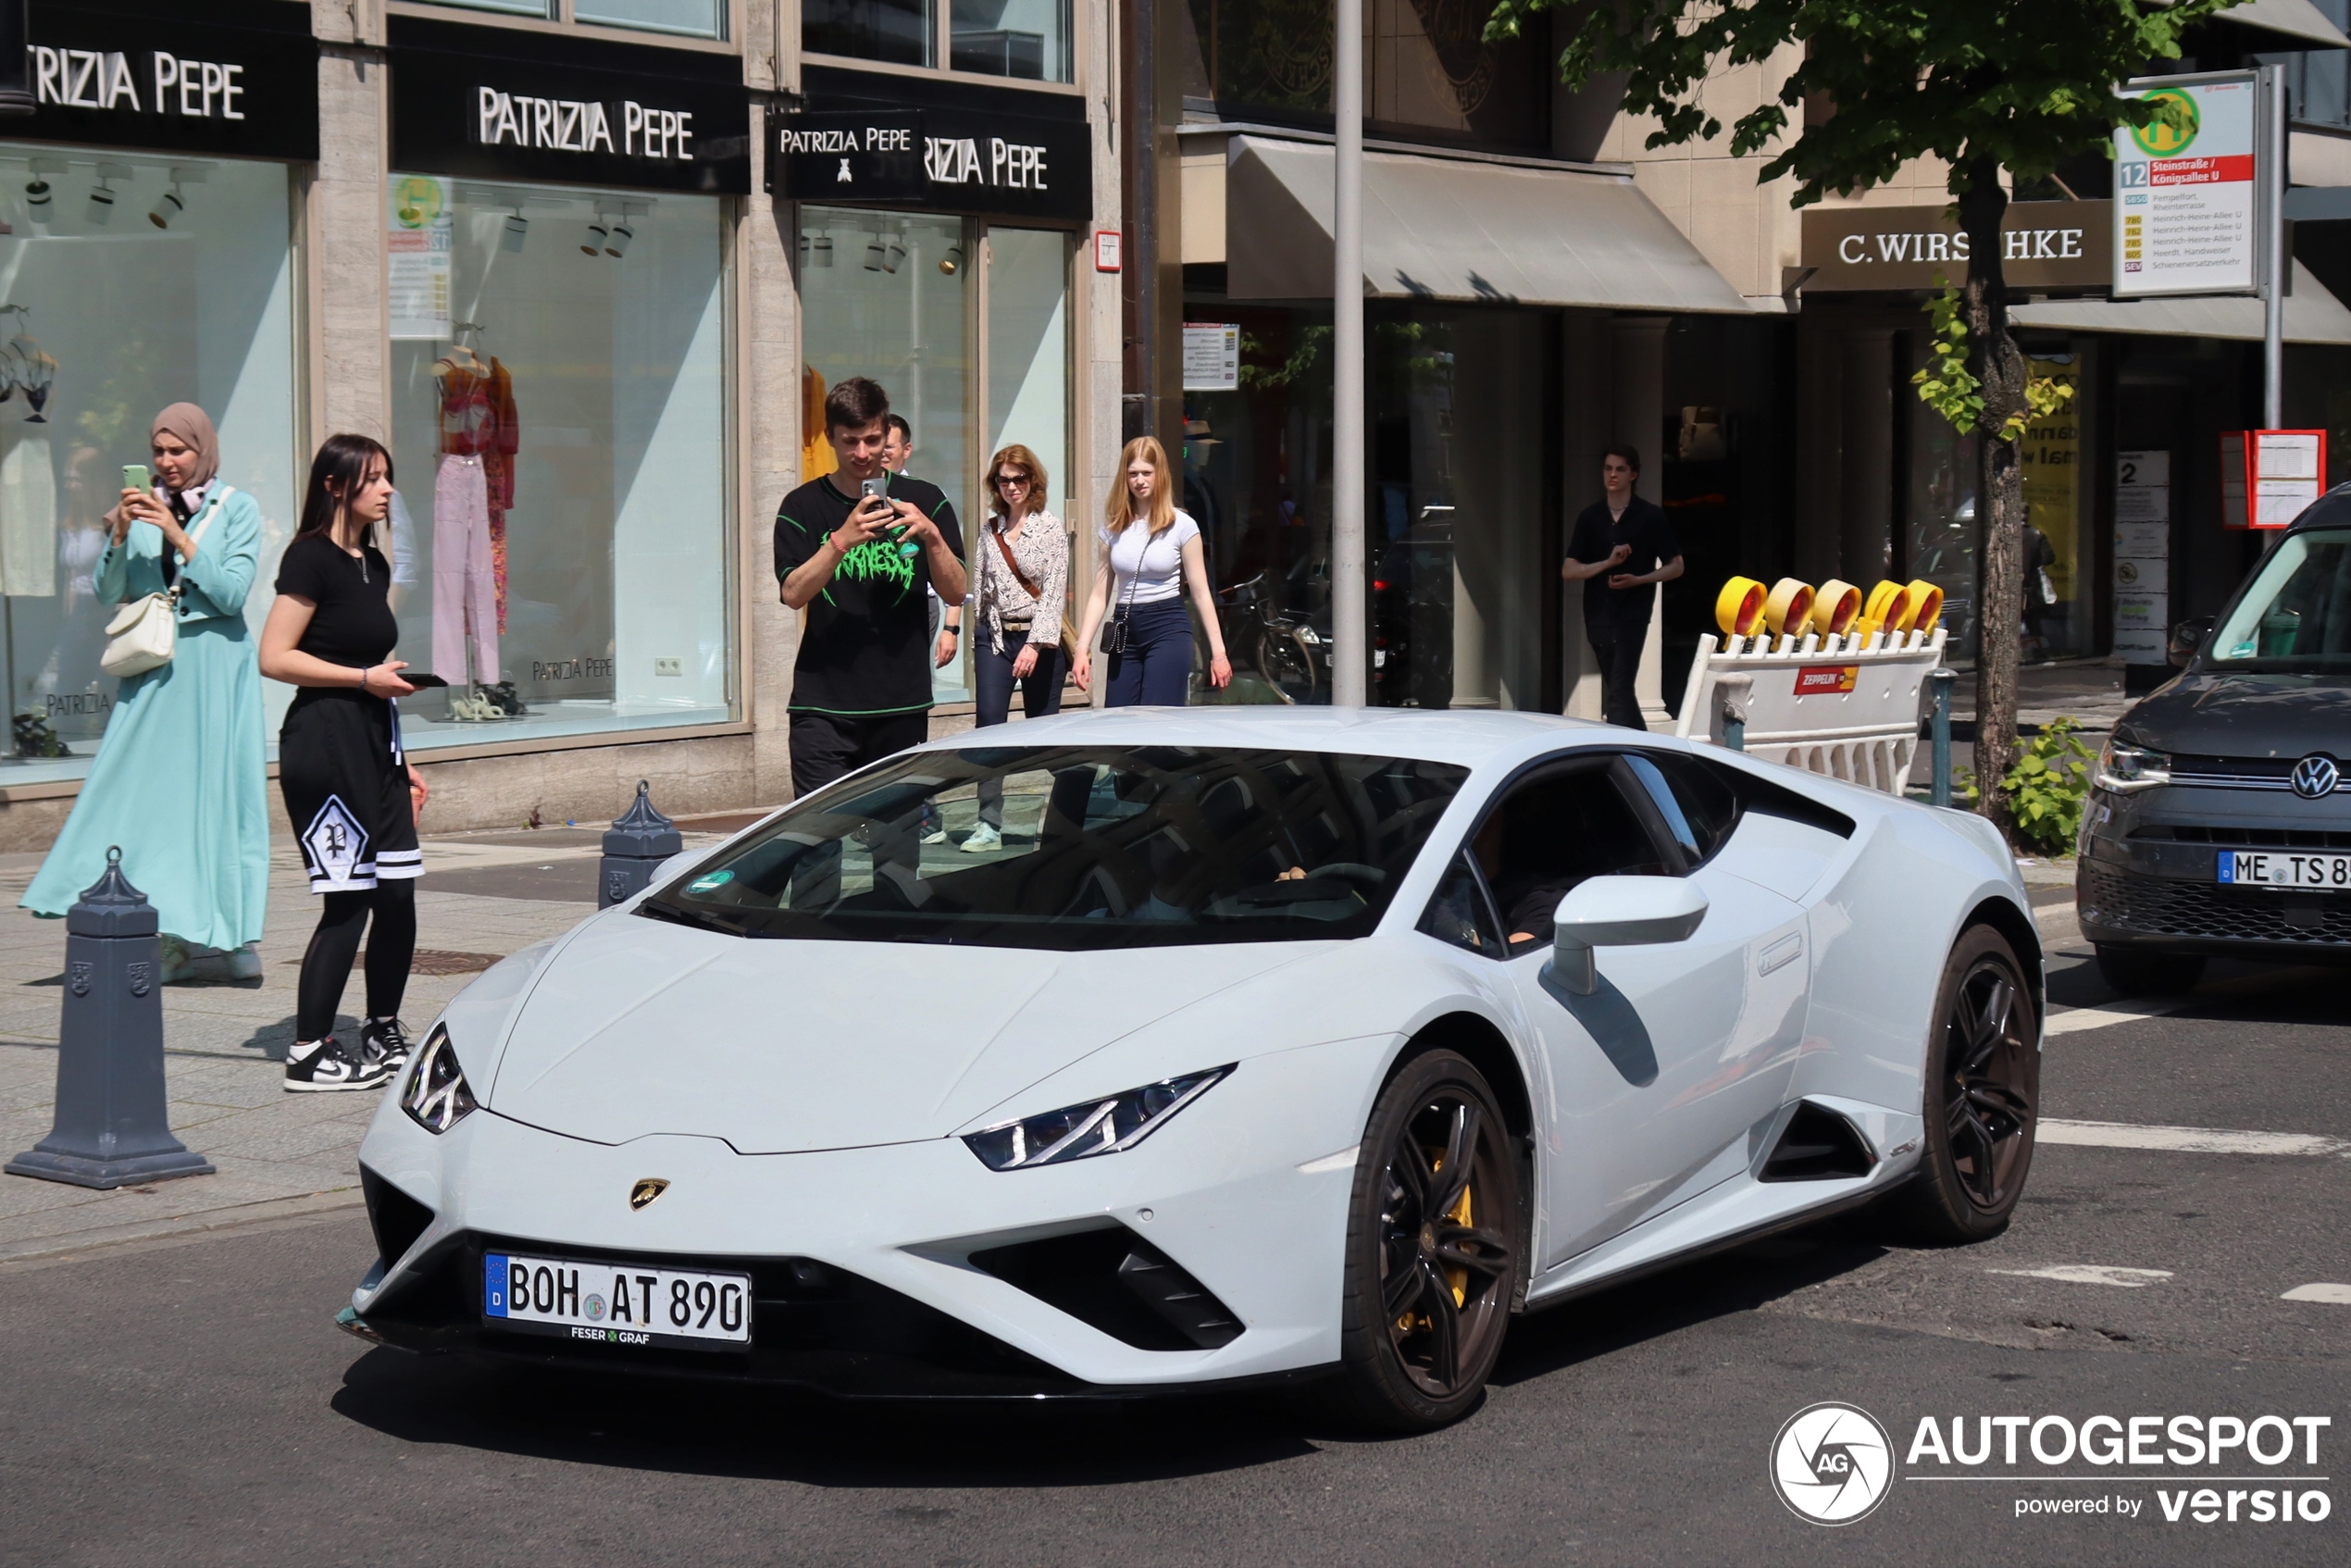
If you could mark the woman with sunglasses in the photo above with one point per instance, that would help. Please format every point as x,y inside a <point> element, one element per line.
<point>1023,566</point>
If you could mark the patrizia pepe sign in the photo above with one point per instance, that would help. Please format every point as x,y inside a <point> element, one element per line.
<point>583,112</point>
<point>960,160</point>
<point>244,78</point>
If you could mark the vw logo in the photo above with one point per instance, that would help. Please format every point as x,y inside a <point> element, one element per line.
<point>2316,775</point>
<point>1831,1464</point>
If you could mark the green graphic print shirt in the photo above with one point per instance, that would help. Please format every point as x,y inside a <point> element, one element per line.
<point>866,646</point>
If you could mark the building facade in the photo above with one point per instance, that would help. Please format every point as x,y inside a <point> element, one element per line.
<point>555,255</point>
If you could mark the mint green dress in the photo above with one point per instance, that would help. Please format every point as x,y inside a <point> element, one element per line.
<point>180,780</point>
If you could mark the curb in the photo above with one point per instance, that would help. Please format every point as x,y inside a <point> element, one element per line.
<point>185,1227</point>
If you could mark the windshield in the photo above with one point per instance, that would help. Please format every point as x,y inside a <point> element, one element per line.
<point>1102,847</point>
<point>2295,616</point>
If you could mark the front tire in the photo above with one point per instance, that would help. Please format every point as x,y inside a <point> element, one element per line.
<point>2137,972</point>
<point>1982,1096</point>
<point>1433,1239</point>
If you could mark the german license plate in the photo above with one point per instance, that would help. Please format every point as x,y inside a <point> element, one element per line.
<point>2276,868</point>
<point>616,1304</point>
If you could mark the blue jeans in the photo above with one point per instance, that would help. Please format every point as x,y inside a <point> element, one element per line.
<point>1041,693</point>
<point>1156,669</point>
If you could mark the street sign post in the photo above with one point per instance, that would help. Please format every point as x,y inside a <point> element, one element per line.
<point>2188,196</point>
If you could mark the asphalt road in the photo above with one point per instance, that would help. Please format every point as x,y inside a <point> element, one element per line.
<point>190,1403</point>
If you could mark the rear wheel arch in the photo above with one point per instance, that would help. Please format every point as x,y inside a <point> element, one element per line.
<point>2022,937</point>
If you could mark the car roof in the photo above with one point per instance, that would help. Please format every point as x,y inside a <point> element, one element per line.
<point>2331,510</point>
<point>1469,738</point>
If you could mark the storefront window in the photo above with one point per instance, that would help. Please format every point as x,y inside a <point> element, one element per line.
<point>899,32</point>
<point>1023,38</point>
<point>696,19</point>
<point>560,421</point>
<point>1029,357</point>
<point>109,316</point>
<point>2057,591</point>
<point>883,296</point>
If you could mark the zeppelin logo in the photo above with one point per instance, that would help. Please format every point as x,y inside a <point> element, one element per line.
<point>568,125</point>
<point>85,78</point>
<point>1822,680</point>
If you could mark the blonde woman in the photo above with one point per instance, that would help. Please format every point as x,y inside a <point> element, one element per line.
<point>1151,555</point>
<point>1021,568</point>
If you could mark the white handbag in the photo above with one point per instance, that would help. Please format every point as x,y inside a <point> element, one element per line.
<point>144,633</point>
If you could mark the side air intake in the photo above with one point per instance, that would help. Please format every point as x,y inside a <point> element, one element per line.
<point>1113,1280</point>
<point>1817,1145</point>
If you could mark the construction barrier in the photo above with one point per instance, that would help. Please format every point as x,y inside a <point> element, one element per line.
<point>1844,705</point>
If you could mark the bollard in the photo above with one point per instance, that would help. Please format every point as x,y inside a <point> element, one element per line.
<point>1735,687</point>
<point>638,843</point>
<point>111,1128</point>
<point>1942,680</point>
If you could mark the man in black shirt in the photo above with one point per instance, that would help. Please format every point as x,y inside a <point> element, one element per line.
<point>1621,547</point>
<point>861,566</point>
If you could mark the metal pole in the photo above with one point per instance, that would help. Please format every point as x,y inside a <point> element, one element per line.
<point>1735,689</point>
<point>1350,630</point>
<point>2273,222</point>
<point>1939,787</point>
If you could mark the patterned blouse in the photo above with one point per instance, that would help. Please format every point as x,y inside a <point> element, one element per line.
<point>1042,549</point>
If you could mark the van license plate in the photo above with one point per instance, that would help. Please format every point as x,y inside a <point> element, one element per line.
<point>2274,868</point>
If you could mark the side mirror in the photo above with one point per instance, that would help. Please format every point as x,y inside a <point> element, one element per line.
<point>2187,637</point>
<point>1619,912</point>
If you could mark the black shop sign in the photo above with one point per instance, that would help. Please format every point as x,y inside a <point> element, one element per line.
<point>134,73</point>
<point>956,160</point>
<point>490,104</point>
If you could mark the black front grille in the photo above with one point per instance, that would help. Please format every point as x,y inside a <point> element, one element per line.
<point>396,1218</point>
<point>813,1324</point>
<point>2240,773</point>
<point>2243,837</point>
<point>2160,906</point>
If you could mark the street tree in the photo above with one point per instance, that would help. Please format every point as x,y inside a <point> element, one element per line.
<point>1986,86</point>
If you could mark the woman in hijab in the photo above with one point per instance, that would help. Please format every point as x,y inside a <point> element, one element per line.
<point>179,781</point>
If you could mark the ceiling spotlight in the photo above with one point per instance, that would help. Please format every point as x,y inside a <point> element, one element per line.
<point>101,202</point>
<point>170,206</point>
<point>892,253</point>
<point>874,254</point>
<point>594,244</point>
<point>37,199</point>
<point>517,231</point>
<point>616,245</point>
<point>953,262</point>
<point>821,252</point>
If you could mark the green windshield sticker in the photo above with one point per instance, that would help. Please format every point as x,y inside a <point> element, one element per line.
<point>710,883</point>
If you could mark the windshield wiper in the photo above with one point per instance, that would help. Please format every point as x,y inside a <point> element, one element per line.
<point>699,919</point>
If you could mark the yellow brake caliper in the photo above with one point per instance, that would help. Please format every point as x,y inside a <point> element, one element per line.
<point>1456,1278</point>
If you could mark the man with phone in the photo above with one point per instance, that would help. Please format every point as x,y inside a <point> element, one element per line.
<point>1622,546</point>
<point>856,550</point>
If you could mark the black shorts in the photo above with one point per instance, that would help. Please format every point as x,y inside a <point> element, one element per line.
<point>346,789</point>
<point>830,746</point>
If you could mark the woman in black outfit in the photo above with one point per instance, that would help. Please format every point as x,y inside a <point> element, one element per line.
<point>349,789</point>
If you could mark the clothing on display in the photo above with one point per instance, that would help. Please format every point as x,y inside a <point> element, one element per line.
<point>499,462</point>
<point>28,514</point>
<point>817,457</point>
<point>478,419</point>
<point>463,591</point>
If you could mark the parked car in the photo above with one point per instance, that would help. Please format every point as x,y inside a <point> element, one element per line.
<point>2219,819</point>
<point>1291,1043</point>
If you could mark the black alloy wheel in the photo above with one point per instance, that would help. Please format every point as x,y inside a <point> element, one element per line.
<point>1432,1250</point>
<point>1983,1094</point>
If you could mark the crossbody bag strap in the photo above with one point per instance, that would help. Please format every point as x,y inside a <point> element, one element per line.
<point>196,537</point>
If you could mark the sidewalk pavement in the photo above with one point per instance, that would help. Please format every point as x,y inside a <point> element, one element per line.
<point>277,1154</point>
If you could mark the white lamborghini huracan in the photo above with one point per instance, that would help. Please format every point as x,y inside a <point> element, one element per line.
<point>1272,1043</point>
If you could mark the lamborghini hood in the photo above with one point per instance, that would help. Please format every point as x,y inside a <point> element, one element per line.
<point>637,1028</point>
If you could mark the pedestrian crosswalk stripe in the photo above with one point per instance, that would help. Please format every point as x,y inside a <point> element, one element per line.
<point>2185,1141</point>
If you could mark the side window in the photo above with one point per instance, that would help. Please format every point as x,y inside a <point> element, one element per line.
<point>1696,802</point>
<point>1460,913</point>
<point>1551,831</point>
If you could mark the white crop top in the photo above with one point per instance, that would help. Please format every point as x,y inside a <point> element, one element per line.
<point>1153,566</point>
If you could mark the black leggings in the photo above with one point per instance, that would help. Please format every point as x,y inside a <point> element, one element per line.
<point>326,967</point>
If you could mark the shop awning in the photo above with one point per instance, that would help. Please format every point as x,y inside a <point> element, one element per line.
<point>2294,23</point>
<point>1449,228</point>
<point>2312,315</point>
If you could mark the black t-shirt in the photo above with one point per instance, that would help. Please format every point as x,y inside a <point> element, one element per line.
<point>353,625</point>
<point>866,648</point>
<point>1646,529</point>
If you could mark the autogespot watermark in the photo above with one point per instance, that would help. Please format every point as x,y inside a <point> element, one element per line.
<point>1833,1464</point>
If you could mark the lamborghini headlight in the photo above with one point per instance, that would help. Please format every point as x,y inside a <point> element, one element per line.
<point>1094,1126</point>
<point>2125,768</point>
<point>436,1095</point>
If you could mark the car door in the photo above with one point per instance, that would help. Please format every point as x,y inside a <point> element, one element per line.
<point>1659,1078</point>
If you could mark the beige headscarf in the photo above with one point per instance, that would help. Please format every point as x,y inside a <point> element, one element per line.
<point>192,427</point>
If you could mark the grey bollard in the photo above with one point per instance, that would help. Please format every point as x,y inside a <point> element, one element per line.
<point>639,840</point>
<point>1735,689</point>
<point>1942,680</point>
<point>111,1130</point>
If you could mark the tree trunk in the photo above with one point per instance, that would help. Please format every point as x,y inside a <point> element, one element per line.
<point>2000,491</point>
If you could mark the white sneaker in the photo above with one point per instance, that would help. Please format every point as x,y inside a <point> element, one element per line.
<point>983,838</point>
<point>935,836</point>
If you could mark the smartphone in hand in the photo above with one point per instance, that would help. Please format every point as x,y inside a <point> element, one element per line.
<point>135,476</point>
